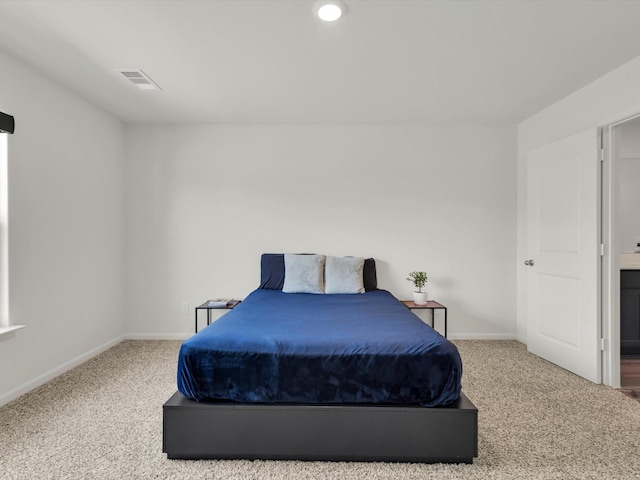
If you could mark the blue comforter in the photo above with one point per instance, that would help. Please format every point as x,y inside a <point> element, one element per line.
<point>279,347</point>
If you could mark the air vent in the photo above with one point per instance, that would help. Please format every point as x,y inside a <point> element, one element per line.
<point>140,79</point>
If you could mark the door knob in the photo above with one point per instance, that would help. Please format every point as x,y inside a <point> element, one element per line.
<point>529,263</point>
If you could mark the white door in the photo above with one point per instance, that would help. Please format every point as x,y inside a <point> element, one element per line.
<point>563,293</point>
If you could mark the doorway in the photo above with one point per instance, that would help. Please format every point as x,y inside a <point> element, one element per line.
<point>621,266</point>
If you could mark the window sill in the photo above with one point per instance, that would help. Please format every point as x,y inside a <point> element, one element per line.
<point>5,331</point>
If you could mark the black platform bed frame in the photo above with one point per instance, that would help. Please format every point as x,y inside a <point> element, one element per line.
<point>219,430</point>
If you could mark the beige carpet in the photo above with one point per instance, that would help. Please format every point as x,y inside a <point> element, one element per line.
<point>104,420</point>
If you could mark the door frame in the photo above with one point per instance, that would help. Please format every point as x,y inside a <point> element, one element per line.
<point>610,277</point>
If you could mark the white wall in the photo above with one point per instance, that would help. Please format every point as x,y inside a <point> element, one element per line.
<point>628,187</point>
<point>611,98</point>
<point>205,201</point>
<point>66,231</point>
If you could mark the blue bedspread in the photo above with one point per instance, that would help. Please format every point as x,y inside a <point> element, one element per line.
<point>318,349</point>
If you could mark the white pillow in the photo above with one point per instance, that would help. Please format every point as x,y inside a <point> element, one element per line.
<point>303,273</point>
<point>344,275</point>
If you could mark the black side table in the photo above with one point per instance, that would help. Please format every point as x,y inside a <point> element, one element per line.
<point>431,305</point>
<point>205,306</point>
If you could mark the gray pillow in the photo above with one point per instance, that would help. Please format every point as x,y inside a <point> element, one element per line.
<point>344,275</point>
<point>303,273</point>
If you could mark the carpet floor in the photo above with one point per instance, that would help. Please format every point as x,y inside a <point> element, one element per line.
<point>103,420</point>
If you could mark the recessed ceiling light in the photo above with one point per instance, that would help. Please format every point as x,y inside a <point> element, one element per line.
<point>329,10</point>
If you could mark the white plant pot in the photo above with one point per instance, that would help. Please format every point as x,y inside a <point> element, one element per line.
<point>420,298</point>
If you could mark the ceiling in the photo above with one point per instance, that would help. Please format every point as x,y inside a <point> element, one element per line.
<point>272,61</point>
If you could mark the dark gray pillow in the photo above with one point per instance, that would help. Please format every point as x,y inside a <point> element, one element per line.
<point>272,271</point>
<point>369,277</point>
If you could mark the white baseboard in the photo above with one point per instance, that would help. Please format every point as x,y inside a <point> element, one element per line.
<point>158,336</point>
<point>59,370</point>
<point>482,336</point>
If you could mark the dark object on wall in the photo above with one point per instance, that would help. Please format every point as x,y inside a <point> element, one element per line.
<point>630,312</point>
<point>7,123</point>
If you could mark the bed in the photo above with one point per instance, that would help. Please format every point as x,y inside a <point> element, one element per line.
<point>320,377</point>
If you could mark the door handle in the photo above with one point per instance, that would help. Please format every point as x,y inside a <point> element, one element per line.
<point>529,263</point>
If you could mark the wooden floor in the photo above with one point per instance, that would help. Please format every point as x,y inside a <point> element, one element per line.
<point>630,376</point>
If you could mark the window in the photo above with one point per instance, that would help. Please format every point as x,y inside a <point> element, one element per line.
<point>5,327</point>
<point>7,125</point>
<point>4,240</point>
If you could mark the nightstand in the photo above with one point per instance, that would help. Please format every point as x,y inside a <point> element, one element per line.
<point>205,306</point>
<point>431,305</point>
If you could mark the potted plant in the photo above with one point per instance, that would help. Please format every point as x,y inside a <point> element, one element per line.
<point>419,279</point>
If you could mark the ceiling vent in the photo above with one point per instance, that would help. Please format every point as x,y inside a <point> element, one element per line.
<point>140,79</point>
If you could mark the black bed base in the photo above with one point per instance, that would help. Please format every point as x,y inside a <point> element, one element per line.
<point>199,430</point>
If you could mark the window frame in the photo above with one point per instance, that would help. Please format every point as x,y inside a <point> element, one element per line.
<point>6,328</point>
